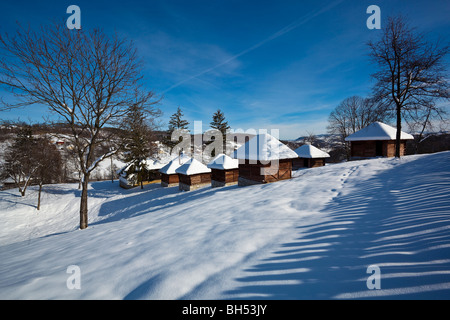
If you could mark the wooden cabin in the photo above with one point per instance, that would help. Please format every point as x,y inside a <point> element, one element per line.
<point>224,171</point>
<point>193,175</point>
<point>309,157</point>
<point>376,140</point>
<point>169,177</point>
<point>128,177</point>
<point>264,159</point>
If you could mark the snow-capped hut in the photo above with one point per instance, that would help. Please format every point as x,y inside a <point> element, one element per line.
<point>193,175</point>
<point>264,159</point>
<point>169,177</point>
<point>309,157</point>
<point>376,140</point>
<point>224,171</point>
<point>128,177</point>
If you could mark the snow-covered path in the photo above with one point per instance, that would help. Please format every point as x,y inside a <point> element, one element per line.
<point>311,237</point>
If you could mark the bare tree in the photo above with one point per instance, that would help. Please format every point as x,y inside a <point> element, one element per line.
<point>48,162</point>
<point>353,114</point>
<point>19,164</point>
<point>85,77</point>
<point>311,138</point>
<point>421,119</point>
<point>411,70</point>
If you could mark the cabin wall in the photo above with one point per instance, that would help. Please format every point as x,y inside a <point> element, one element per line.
<point>169,180</point>
<point>298,163</point>
<point>195,181</point>
<point>389,148</point>
<point>368,149</point>
<point>363,149</point>
<point>264,173</point>
<point>225,176</point>
<point>318,162</point>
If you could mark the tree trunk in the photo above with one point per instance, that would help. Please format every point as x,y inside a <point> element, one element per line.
<point>84,203</point>
<point>398,133</point>
<point>39,196</point>
<point>112,170</point>
<point>24,188</point>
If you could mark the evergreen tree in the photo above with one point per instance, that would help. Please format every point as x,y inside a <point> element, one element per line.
<point>137,141</point>
<point>218,122</point>
<point>176,122</point>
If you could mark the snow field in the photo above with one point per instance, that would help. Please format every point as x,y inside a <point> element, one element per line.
<point>311,237</point>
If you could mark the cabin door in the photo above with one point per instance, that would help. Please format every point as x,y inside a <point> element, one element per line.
<point>306,163</point>
<point>379,148</point>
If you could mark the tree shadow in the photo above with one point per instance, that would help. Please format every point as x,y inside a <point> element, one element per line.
<point>398,220</point>
<point>150,199</point>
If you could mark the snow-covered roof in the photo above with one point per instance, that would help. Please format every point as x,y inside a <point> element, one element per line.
<point>174,164</point>
<point>309,151</point>
<point>151,164</point>
<point>192,166</point>
<point>264,147</point>
<point>223,162</point>
<point>378,131</point>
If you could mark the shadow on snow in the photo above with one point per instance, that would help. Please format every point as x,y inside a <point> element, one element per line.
<point>398,220</point>
<point>151,198</point>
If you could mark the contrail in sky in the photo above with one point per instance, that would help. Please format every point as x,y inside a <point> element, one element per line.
<point>293,25</point>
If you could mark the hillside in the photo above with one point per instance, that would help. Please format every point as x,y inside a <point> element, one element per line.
<point>311,237</point>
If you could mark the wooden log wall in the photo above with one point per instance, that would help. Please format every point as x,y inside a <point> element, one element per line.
<point>227,176</point>
<point>195,179</point>
<point>264,173</point>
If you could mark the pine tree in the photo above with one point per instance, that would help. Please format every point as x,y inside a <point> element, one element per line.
<point>218,122</point>
<point>176,122</point>
<point>137,144</point>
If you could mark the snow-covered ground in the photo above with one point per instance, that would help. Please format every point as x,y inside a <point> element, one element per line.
<point>312,237</point>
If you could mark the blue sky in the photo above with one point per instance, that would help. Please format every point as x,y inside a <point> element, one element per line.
<point>266,64</point>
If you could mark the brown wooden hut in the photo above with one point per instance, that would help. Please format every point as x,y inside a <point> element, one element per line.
<point>193,175</point>
<point>169,177</point>
<point>309,157</point>
<point>224,171</point>
<point>128,178</point>
<point>376,140</point>
<point>264,159</point>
